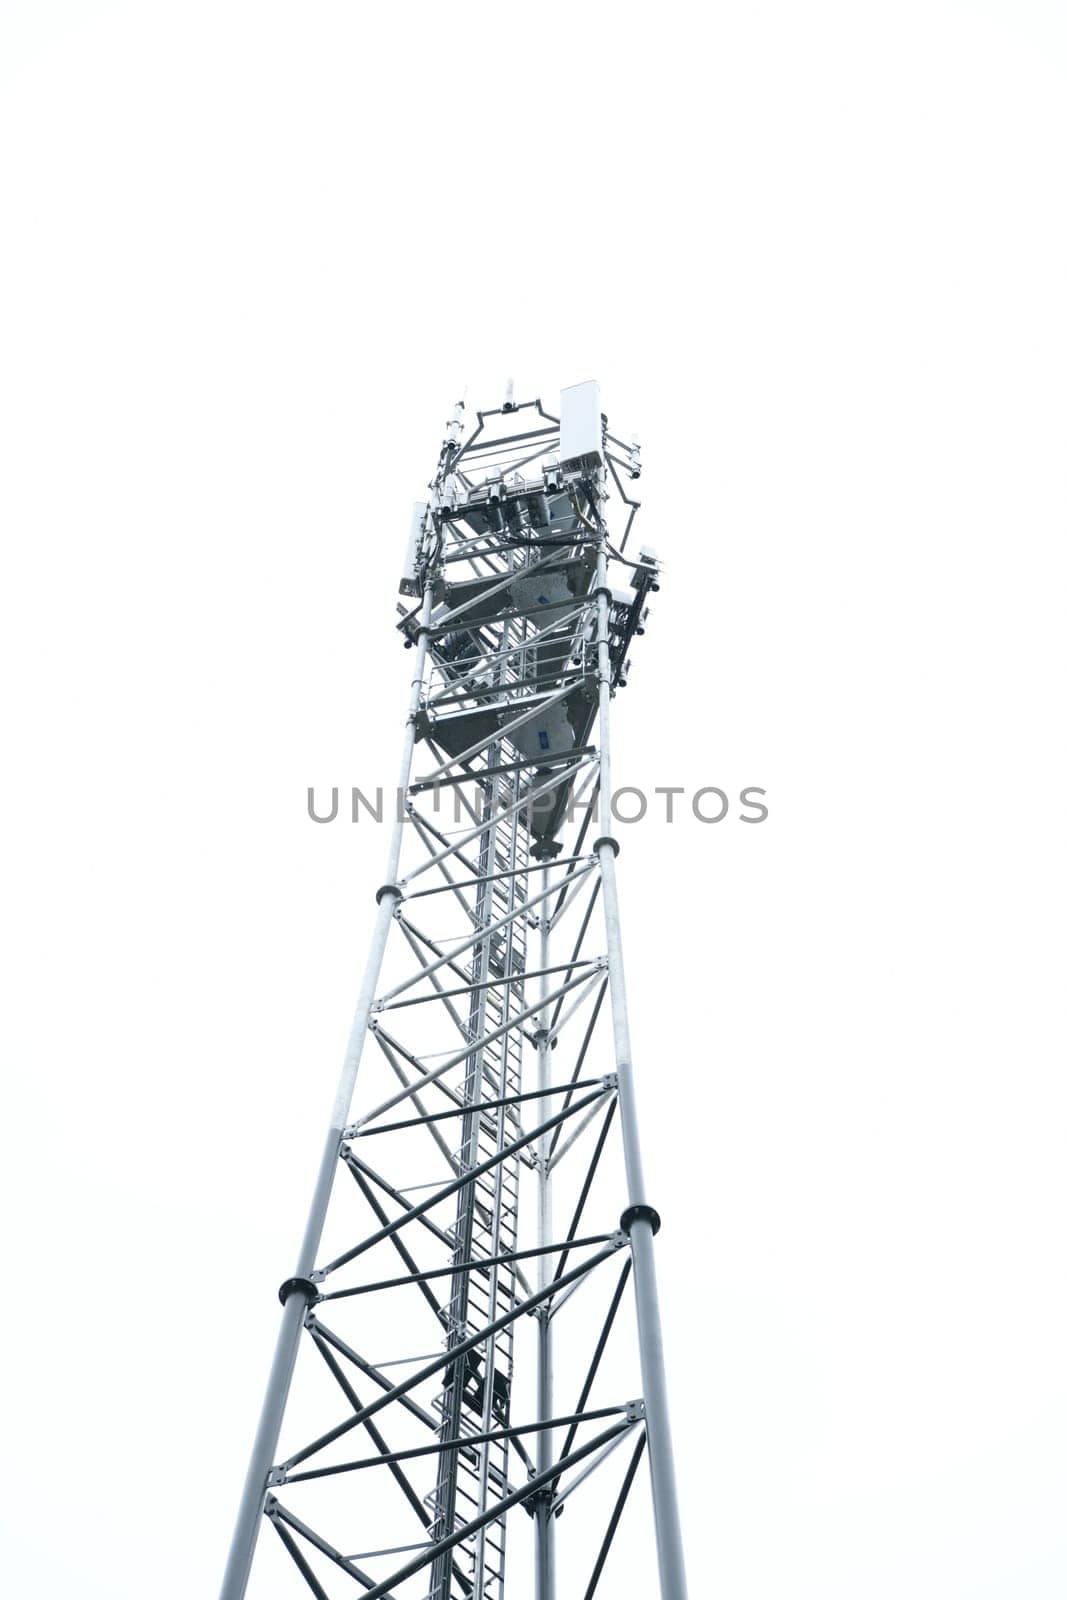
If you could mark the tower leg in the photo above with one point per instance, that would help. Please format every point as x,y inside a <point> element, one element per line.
<point>545,1521</point>
<point>250,1512</point>
<point>669,1551</point>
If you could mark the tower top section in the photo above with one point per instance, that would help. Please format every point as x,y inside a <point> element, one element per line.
<point>522,477</point>
<point>526,506</point>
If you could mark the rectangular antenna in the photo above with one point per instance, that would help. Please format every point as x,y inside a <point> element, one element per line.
<point>409,580</point>
<point>581,429</point>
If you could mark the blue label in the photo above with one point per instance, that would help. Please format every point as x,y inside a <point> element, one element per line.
<point>542,738</point>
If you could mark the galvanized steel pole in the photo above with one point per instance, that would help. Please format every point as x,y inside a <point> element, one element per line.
<point>543,1511</point>
<point>641,1220</point>
<point>250,1512</point>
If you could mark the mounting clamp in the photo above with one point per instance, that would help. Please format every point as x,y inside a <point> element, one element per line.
<point>302,1286</point>
<point>634,1214</point>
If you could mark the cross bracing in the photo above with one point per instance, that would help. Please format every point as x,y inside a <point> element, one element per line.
<point>459,1358</point>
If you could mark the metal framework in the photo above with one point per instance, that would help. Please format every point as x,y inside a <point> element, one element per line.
<point>480,1225</point>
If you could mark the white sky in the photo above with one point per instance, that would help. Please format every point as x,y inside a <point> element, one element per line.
<point>815,256</point>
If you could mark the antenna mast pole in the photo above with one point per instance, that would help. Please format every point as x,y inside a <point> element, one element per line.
<point>437,1297</point>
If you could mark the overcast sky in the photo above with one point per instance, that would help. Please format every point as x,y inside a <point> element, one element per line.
<point>815,254</point>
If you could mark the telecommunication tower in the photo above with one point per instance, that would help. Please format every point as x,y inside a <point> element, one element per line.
<point>476,1283</point>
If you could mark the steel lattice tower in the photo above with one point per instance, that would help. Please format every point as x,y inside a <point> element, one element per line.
<point>485,1186</point>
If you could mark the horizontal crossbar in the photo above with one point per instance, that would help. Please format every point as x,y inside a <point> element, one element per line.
<point>476,1105</point>
<point>475,1265</point>
<point>447,1445</point>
